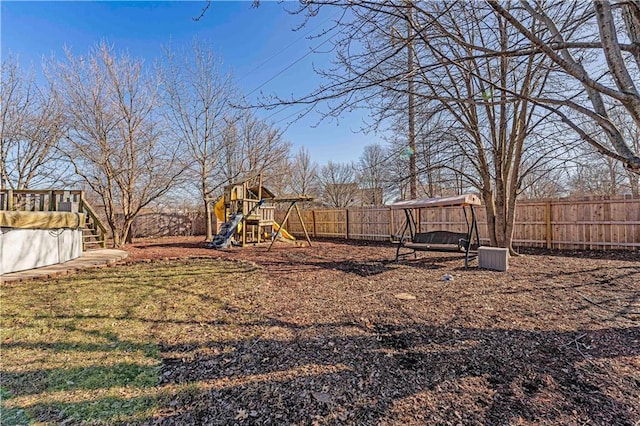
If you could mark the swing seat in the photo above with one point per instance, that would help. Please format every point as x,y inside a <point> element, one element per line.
<point>439,241</point>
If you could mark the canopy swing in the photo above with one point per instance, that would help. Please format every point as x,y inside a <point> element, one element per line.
<point>438,240</point>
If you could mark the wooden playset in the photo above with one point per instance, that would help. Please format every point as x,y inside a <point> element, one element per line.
<point>246,213</point>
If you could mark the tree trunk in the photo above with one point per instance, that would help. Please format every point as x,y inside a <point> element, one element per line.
<point>121,234</point>
<point>510,223</point>
<point>490,208</point>
<point>500,212</point>
<point>117,240</point>
<point>129,237</point>
<point>208,218</point>
<point>634,183</point>
<point>125,233</point>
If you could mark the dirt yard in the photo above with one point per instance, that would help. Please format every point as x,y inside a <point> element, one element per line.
<point>350,337</point>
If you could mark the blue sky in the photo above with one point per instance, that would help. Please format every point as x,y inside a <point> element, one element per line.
<point>255,43</point>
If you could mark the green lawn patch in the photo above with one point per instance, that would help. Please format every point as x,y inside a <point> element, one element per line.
<point>86,348</point>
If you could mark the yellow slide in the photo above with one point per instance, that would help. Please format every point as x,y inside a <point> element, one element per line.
<point>218,209</point>
<point>283,232</point>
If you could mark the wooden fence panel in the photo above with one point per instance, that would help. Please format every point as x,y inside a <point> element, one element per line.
<point>331,223</point>
<point>319,223</point>
<point>369,224</point>
<point>307,217</point>
<point>595,223</point>
<point>443,218</point>
<point>168,223</point>
<point>530,227</point>
<point>293,225</point>
<point>483,229</point>
<point>398,221</point>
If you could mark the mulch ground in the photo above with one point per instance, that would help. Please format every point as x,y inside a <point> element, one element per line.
<point>349,337</point>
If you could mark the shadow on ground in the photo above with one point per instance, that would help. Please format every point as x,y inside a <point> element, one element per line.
<point>538,377</point>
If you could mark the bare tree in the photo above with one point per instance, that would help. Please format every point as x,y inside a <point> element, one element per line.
<point>483,100</point>
<point>197,95</point>
<point>596,175</point>
<point>486,99</point>
<point>545,183</point>
<point>30,128</point>
<point>115,140</point>
<point>631,133</point>
<point>277,176</point>
<point>264,148</point>
<point>338,183</point>
<point>437,165</point>
<point>474,65</point>
<point>252,145</point>
<point>304,174</point>
<point>371,172</point>
<point>571,28</point>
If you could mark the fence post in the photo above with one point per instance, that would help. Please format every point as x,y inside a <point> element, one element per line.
<point>347,227</point>
<point>313,222</point>
<point>547,214</point>
<point>10,199</point>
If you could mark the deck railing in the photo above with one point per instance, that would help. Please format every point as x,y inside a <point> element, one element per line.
<point>55,200</point>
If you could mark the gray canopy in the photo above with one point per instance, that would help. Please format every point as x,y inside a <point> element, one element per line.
<point>456,200</point>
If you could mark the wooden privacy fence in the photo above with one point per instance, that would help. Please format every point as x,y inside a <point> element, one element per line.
<point>594,223</point>
<point>168,223</point>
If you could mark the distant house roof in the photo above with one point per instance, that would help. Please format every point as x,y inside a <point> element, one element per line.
<point>457,200</point>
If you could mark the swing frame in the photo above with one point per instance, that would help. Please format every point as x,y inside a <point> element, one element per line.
<point>414,240</point>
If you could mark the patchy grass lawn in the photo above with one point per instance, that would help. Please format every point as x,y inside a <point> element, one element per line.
<point>86,348</point>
